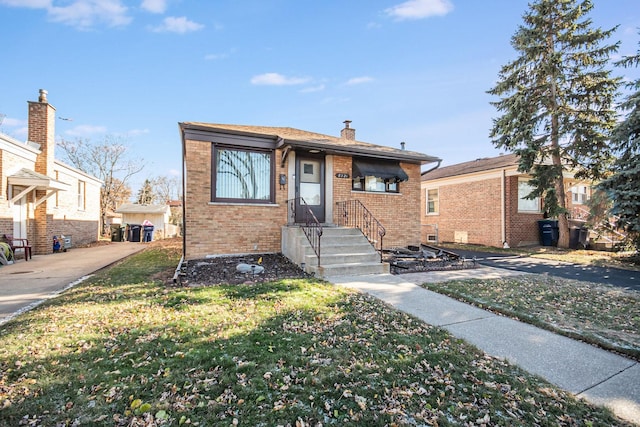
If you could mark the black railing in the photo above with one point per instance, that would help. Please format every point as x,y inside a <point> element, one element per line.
<point>309,224</point>
<point>352,213</point>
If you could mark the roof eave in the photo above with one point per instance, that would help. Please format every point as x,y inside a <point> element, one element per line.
<point>409,157</point>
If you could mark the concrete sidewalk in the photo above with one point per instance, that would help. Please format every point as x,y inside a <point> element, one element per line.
<point>596,375</point>
<point>25,284</point>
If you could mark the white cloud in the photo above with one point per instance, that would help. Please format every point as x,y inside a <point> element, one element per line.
<point>275,79</point>
<point>84,14</point>
<point>311,89</point>
<point>360,80</point>
<point>9,122</point>
<point>35,4</point>
<point>180,25</point>
<point>419,9</point>
<point>154,6</point>
<point>85,130</point>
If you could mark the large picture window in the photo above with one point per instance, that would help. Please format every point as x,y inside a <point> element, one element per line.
<point>242,175</point>
<point>524,204</point>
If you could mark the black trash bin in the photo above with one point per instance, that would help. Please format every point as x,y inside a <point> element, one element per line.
<point>574,237</point>
<point>148,233</point>
<point>546,231</point>
<point>555,232</point>
<point>116,233</point>
<point>134,232</point>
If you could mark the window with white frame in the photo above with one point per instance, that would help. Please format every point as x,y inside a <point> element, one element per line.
<point>242,175</point>
<point>580,194</point>
<point>433,205</point>
<point>82,186</point>
<point>525,204</point>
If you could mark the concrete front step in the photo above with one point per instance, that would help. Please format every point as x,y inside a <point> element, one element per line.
<point>352,269</point>
<point>343,251</point>
<point>339,258</point>
<point>339,249</point>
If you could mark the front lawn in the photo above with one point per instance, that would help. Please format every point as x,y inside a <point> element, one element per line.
<point>599,314</point>
<point>123,349</point>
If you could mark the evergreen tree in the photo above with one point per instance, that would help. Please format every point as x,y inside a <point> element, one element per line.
<point>557,100</point>
<point>146,195</point>
<point>623,186</point>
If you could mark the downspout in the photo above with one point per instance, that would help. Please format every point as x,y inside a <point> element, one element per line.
<point>433,168</point>
<point>176,274</point>
<point>503,209</point>
<point>184,194</point>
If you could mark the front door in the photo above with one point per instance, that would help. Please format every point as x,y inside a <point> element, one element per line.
<point>310,186</point>
<point>20,218</point>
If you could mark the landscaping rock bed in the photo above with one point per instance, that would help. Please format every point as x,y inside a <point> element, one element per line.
<point>223,270</point>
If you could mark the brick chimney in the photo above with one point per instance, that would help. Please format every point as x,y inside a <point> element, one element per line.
<point>348,132</point>
<point>42,118</point>
<point>42,122</point>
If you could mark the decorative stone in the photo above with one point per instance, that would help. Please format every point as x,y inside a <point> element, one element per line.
<point>249,268</point>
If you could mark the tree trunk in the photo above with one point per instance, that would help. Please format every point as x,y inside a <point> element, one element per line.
<point>563,221</point>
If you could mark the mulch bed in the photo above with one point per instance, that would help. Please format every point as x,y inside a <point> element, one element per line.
<point>222,270</point>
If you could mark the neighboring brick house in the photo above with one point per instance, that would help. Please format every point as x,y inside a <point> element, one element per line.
<point>238,181</point>
<point>483,202</point>
<point>41,197</point>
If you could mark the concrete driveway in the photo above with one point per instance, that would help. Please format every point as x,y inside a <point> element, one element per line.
<point>25,284</point>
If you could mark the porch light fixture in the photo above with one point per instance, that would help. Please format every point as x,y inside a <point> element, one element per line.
<point>314,151</point>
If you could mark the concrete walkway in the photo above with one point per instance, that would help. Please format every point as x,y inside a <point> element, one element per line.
<point>596,375</point>
<point>26,284</point>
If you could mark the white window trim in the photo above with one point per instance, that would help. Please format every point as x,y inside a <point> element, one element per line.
<point>426,207</point>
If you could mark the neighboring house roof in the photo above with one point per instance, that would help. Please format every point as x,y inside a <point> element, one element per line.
<point>506,161</point>
<point>79,172</point>
<point>145,209</point>
<point>22,149</point>
<point>286,136</point>
<point>28,178</point>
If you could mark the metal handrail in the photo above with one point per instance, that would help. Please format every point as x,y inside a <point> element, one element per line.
<point>354,214</point>
<point>311,226</point>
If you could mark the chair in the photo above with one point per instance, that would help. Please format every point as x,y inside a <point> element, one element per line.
<point>19,243</point>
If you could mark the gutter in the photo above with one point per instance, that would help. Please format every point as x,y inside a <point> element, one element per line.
<point>184,192</point>
<point>433,168</point>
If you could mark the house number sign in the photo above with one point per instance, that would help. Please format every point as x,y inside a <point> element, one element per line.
<point>342,175</point>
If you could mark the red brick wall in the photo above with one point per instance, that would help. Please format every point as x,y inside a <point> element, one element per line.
<point>224,228</point>
<point>522,228</point>
<point>474,207</point>
<point>398,213</point>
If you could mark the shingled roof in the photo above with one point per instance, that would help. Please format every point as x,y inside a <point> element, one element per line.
<point>304,139</point>
<point>474,166</point>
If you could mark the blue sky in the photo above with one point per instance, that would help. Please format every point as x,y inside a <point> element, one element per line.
<point>414,71</point>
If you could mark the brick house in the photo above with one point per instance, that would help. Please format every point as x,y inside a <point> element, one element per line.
<point>244,186</point>
<point>483,202</point>
<point>41,197</point>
